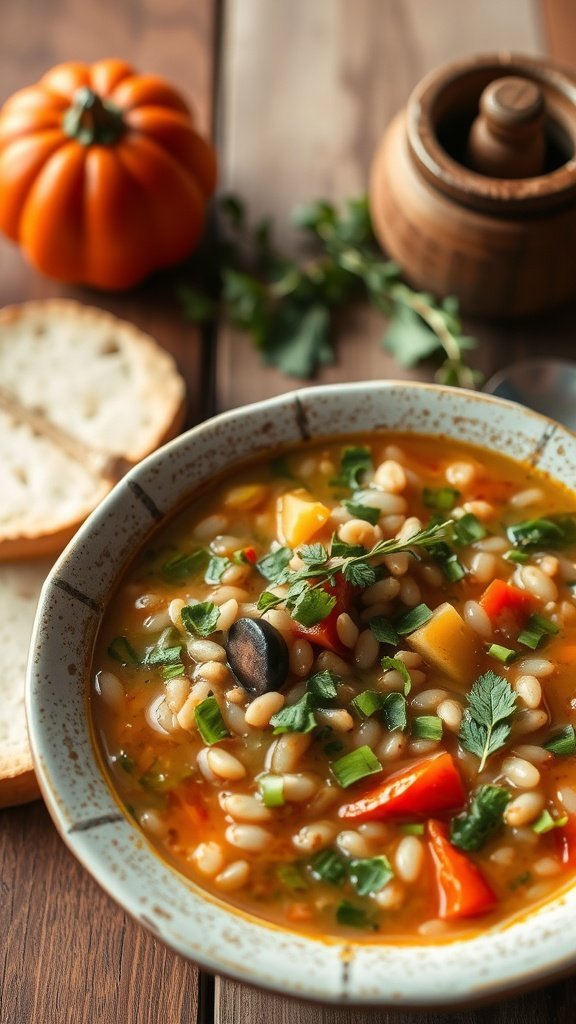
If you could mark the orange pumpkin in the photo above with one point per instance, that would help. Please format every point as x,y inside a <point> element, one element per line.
<point>103,177</point>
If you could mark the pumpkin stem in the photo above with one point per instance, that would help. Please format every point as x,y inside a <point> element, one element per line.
<point>91,120</point>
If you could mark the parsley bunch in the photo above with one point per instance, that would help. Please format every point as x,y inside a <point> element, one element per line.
<point>287,307</point>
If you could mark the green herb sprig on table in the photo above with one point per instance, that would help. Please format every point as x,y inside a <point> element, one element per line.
<point>287,307</point>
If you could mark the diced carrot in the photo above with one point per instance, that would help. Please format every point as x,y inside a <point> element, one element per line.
<point>299,517</point>
<point>462,889</point>
<point>507,605</point>
<point>427,787</point>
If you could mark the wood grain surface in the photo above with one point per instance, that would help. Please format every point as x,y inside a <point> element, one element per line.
<point>68,954</point>
<point>306,90</point>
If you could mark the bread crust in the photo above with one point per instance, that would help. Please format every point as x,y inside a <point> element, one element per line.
<point>46,440</point>
<point>156,380</point>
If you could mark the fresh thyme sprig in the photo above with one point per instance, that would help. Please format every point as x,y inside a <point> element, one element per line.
<point>307,597</point>
<point>287,307</point>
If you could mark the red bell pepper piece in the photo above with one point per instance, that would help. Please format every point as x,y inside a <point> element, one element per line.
<point>426,787</point>
<point>325,634</point>
<point>462,889</point>
<point>507,605</point>
<point>566,841</point>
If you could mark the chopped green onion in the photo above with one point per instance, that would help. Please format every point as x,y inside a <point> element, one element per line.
<point>394,710</point>
<point>546,823</point>
<point>427,727</point>
<point>468,529</point>
<point>448,561</point>
<point>516,557</point>
<point>413,828</point>
<point>216,568</point>
<point>271,789</point>
<point>354,917</point>
<point>563,744</point>
<point>328,866</point>
<point>504,654</point>
<point>209,721</point>
<point>535,630</point>
<point>180,567</point>
<point>396,665</point>
<point>201,618</point>
<point>413,619</point>
<point>164,655</point>
<point>384,631</point>
<point>173,671</point>
<point>368,513</point>
<point>441,499</point>
<point>290,877</point>
<point>356,765</point>
<point>369,875</point>
<point>121,650</point>
<point>547,532</point>
<point>367,703</point>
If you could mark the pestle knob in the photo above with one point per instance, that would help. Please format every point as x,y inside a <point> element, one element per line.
<point>507,138</point>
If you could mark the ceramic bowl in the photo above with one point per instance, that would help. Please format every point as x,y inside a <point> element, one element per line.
<point>112,847</point>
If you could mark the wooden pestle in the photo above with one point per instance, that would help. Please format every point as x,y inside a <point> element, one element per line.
<point>507,138</point>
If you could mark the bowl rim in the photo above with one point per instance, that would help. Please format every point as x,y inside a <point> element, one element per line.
<point>87,847</point>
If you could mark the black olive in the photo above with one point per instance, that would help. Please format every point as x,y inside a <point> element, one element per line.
<point>257,655</point>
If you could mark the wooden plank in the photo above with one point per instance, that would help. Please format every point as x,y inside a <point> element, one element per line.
<point>69,954</point>
<point>559,21</point>
<point>308,92</point>
<point>163,37</point>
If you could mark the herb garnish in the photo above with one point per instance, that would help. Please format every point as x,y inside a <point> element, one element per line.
<point>329,866</point>
<point>485,724</point>
<point>181,566</point>
<point>549,532</point>
<point>354,766</point>
<point>369,875</point>
<point>201,618</point>
<point>354,917</point>
<point>470,831</point>
<point>354,464</point>
<point>121,650</point>
<point>216,568</point>
<point>209,720</point>
<point>563,743</point>
<point>310,604</point>
<point>287,307</point>
<point>545,823</point>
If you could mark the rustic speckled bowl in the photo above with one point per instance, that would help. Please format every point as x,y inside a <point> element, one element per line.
<point>110,845</point>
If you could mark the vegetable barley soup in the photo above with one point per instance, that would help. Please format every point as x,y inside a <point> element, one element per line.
<point>338,690</point>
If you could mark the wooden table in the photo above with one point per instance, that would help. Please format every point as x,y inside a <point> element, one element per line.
<point>297,93</point>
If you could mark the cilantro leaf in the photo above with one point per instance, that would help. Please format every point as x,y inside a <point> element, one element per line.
<point>179,567</point>
<point>355,463</point>
<point>485,725</point>
<point>370,874</point>
<point>201,618</point>
<point>359,574</point>
<point>472,830</point>
<point>313,606</point>
<point>322,686</point>
<point>365,512</point>
<point>274,567</point>
<point>216,568</point>
<point>384,631</point>
<point>297,717</point>
<point>313,554</point>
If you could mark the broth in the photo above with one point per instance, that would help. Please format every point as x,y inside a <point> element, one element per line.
<point>295,820</point>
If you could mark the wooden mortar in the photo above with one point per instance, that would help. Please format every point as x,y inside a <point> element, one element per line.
<point>502,236</point>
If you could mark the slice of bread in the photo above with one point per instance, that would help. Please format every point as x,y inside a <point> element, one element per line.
<point>20,585</point>
<point>83,396</point>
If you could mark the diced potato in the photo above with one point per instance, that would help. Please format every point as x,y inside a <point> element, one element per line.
<point>447,643</point>
<point>246,496</point>
<point>300,517</point>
